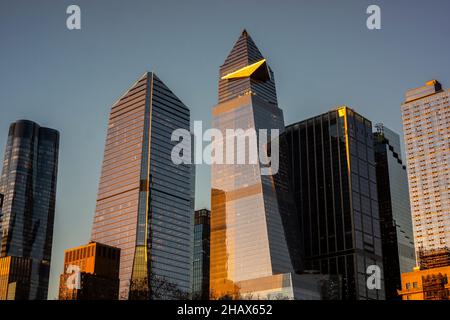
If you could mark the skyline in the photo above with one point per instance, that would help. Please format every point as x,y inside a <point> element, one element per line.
<point>88,84</point>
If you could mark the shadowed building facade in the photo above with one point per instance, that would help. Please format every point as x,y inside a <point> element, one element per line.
<point>395,213</point>
<point>253,253</point>
<point>335,188</point>
<point>202,237</point>
<point>144,201</point>
<point>28,186</point>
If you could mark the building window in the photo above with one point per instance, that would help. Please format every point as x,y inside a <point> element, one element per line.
<point>408,286</point>
<point>415,285</point>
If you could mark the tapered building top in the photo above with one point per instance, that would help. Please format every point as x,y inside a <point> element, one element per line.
<point>254,247</point>
<point>144,202</point>
<point>245,71</point>
<point>243,53</point>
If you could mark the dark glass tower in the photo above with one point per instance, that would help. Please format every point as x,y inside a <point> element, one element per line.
<point>144,201</point>
<point>395,213</point>
<point>335,189</point>
<point>28,186</point>
<point>200,281</point>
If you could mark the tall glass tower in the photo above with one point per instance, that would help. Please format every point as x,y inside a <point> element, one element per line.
<point>426,127</point>
<point>335,188</point>
<point>252,251</point>
<point>144,201</point>
<point>28,188</point>
<point>395,213</point>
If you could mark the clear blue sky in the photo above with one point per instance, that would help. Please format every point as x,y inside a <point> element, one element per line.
<point>321,52</point>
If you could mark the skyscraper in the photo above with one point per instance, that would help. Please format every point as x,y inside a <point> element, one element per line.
<point>202,235</point>
<point>395,214</point>
<point>335,188</point>
<point>91,272</point>
<point>144,201</point>
<point>28,186</point>
<point>426,127</point>
<point>253,253</point>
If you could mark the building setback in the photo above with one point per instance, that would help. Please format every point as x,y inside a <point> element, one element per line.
<point>28,189</point>
<point>395,214</point>
<point>145,201</point>
<point>335,188</point>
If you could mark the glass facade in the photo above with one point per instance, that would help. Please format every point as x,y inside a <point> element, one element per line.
<point>144,202</point>
<point>426,128</point>
<point>335,188</point>
<point>395,213</point>
<point>248,215</point>
<point>202,232</point>
<point>28,186</point>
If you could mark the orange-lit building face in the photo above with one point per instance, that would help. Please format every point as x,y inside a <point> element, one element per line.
<point>248,240</point>
<point>15,275</point>
<point>430,284</point>
<point>99,272</point>
<point>94,258</point>
<point>116,217</point>
<point>145,201</point>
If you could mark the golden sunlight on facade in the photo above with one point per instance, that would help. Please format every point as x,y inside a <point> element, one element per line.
<point>428,281</point>
<point>98,267</point>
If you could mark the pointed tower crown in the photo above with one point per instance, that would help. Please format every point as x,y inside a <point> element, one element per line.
<point>245,71</point>
<point>243,53</point>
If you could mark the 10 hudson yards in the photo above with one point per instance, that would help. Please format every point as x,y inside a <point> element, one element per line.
<point>233,199</point>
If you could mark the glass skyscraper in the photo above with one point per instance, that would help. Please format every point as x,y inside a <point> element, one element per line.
<point>144,201</point>
<point>426,128</point>
<point>395,213</point>
<point>252,250</point>
<point>202,235</point>
<point>28,188</point>
<point>335,188</point>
